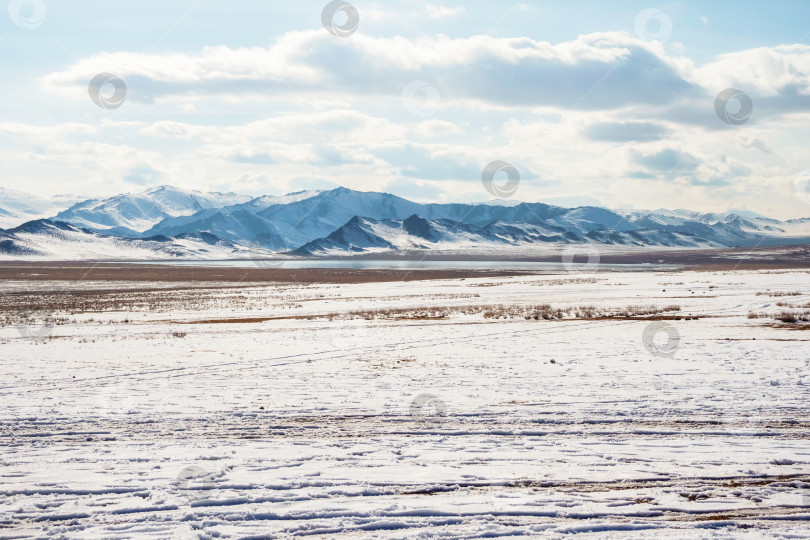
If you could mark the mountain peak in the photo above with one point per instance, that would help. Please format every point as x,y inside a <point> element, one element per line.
<point>43,225</point>
<point>164,187</point>
<point>501,202</point>
<point>340,190</point>
<point>131,214</point>
<point>417,226</point>
<point>343,219</point>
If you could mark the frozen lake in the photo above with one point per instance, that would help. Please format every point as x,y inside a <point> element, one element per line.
<point>401,264</point>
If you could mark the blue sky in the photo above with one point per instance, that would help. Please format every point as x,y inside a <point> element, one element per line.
<point>609,103</point>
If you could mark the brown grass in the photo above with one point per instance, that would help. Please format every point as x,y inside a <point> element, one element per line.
<point>788,316</point>
<point>779,293</point>
<point>793,316</point>
<point>795,306</point>
<point>488,312</point>
<point>504,311</point>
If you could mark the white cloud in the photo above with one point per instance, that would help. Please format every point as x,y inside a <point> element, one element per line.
<point>436,11</point>
<point>436,128</point>
<point>47,132</point>
<point>600,115</point>
<point>602,71</point>
<point>504,71</point>
<point>765,71</point>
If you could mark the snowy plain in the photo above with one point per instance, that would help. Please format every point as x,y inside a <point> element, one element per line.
<point>254,410</point>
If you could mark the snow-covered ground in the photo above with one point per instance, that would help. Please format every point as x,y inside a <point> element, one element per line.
<point>219,411</point>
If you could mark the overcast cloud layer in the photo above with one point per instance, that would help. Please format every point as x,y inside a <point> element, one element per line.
<point>415,102</point>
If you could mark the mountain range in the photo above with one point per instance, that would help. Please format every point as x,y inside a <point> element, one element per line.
<point>166,222</point>
<point>43,238</point>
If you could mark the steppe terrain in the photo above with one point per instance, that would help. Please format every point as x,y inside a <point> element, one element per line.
<point>211,404</point>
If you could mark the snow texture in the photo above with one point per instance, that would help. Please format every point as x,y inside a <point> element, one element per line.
<point>264,411</point>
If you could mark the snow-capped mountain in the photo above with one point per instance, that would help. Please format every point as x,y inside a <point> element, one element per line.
<point>283,224</point>
<point>343,221</point>
<point>736,228</point>
<point>47,240</point>
<point>132,214</point>
<point>364,235</point>
<point>17,207</point>
<point>585,219</point>
<point>307,217</point>
<point>312,215</point>
<point>416,233</point>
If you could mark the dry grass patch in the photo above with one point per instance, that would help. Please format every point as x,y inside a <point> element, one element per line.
<point>779,293</point>
<point>788,316</point>
<point>505,311</point>
<point>793,316</point>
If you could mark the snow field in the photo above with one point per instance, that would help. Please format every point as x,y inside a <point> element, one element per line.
<point>282,421</point>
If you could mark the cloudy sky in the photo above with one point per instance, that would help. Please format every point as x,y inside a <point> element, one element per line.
<point>622,104</point>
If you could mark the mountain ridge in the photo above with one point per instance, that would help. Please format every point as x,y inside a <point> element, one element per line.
<point>46,239</point>
<point>344,221</point>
